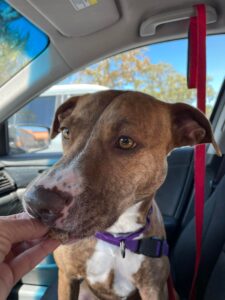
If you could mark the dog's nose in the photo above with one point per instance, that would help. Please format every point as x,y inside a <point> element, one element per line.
<point>45,204</point>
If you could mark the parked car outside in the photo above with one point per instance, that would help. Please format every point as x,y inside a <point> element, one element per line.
<point>29,128</point>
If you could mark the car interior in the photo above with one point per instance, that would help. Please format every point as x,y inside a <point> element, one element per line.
<point>77,35</point>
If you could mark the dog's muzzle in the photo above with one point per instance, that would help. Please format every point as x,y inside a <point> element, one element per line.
<point>50,195</point>
<point>45,204</point>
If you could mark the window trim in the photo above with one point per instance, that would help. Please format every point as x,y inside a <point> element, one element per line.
<point>4,145</point>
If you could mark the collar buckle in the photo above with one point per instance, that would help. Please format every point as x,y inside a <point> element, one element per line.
<point>148,246</point>
<point>123,248</point>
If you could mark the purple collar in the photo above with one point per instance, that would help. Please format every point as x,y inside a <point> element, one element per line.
<point>151,246</point>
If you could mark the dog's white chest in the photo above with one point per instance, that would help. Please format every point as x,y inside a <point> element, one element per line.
<point>107,258</point>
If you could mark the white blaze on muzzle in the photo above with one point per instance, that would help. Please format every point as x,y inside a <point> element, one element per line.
<point>66,180</point>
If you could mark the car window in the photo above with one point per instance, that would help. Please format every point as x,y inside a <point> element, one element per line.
<point>159,70</point>
<point>29,128</point>
<point>20,42</point>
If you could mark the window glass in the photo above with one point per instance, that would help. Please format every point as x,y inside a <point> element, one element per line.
<point>29,128</point>
<point>159,70</point>
<point>20,42</point>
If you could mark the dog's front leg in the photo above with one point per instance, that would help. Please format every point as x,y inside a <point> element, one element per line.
<point>151,293</point>
<point>68,289</point>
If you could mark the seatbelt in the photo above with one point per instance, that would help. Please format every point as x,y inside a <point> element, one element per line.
<point>219,175</point>
<point>197,79</point>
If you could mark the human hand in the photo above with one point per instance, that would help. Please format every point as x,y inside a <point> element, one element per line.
<point>22,247</point>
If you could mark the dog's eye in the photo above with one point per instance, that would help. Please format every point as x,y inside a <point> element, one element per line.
<point>66,133</point>
<point>126,143</point>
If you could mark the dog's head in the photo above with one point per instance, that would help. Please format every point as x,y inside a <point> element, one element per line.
<point>115,147</point>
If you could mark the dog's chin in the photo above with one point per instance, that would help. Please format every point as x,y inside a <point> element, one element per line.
<point>63,236</point>
<point>68,235</point>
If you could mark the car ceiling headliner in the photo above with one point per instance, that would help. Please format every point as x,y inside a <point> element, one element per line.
<point>123,34</point>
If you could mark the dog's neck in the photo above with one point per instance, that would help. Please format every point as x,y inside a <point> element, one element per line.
<point>132,219</point>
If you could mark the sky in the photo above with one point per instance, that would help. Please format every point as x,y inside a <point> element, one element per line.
<point>36,39</point>
<point>175,53</point>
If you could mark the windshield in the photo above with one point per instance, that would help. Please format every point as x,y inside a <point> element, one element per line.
<point>20,42</point>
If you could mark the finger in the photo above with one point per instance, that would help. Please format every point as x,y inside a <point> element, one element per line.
<point>23,246</point>
<point>14,230</point>
<point>22,215</point>
<point>5,281</point>
<point>27,260</point>
<point>22,227</point>
<point>9,256</point>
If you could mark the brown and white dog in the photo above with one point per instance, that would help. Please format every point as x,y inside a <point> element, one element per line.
<point>115,148</point>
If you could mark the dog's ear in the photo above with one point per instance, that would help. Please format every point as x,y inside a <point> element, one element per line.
<point>62,112</point>
<point>191,127</point>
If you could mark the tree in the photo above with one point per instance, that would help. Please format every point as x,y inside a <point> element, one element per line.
<point>134,70</point>
<point>12,43</point>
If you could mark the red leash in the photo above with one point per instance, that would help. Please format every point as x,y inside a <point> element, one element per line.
<point>171,293</point>
<point>197,79</point>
